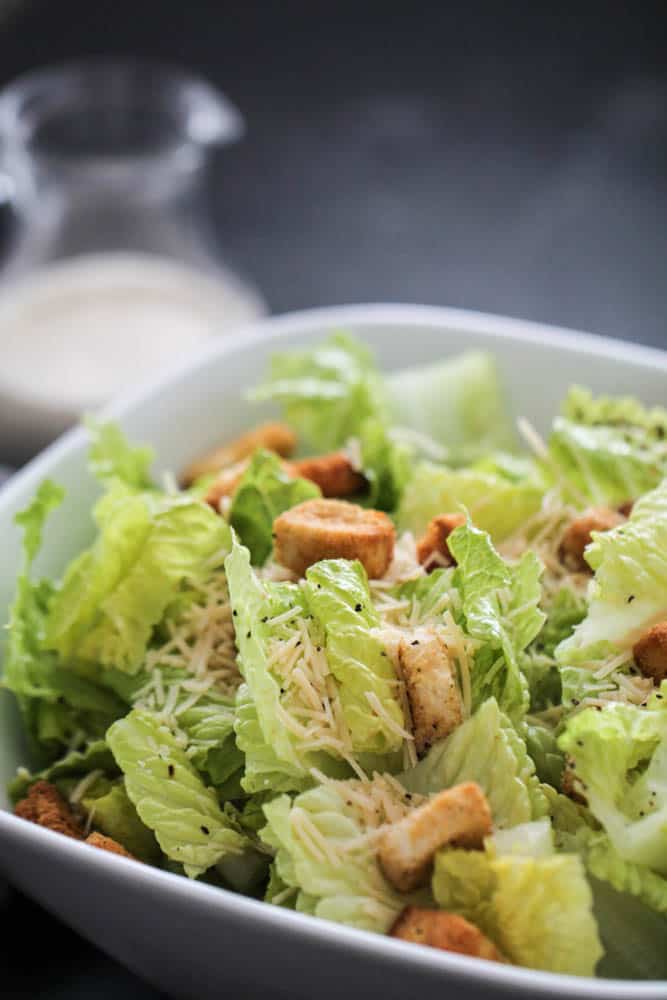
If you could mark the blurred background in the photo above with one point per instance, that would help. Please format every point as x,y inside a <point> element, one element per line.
<point>509,158</point>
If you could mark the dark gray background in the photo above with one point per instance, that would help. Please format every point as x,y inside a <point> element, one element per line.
<point>510,157</point>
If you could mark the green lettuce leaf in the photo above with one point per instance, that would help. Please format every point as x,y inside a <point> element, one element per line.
<point>330,881</point>
<point>170,796</point>
<point>620,755</point>
<point>458,402</point>
<point>542,745</point>
<point>500,608</point>
<point>58,706</point>
<point>629,591</point>
<point>326,391</point>
<point>486,749</point>
<point>536,906</point>
<point>265,491</point>
<point>76,764</point>
<point>495,503</point>
<point>113,814</point>
<point>386,464</point>
<point>273,754</point>
<point>338,597</point>
<point>606,864</point>
<point>116,592</point>
<point>112,457</point>
<point>610,449</point>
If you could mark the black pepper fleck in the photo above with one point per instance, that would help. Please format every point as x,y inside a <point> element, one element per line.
<point>357,607</point>
<point>205,829</point>
<point>170,770</point>
<point>631,598</point>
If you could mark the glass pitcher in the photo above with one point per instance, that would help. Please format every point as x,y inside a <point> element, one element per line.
<point>111,256</point>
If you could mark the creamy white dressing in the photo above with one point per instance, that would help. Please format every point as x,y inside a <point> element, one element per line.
<point>78,332</point>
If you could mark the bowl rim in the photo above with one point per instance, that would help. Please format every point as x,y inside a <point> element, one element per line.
<point>379,947</point>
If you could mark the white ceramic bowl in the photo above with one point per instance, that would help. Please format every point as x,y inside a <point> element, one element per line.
<point>187,938</point>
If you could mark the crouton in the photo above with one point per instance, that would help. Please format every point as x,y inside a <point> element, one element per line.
<point>650,653</point>
<point>275,437</point>
<point>333,529</point>
<point>447,931</point>
<point>432,548</point>
<point>108,844</point>
<point>45,806</point>
<point>578,535</point>
<point>225,484</point>
<point>459,815</point>
<point>435,703</point>
<point>334,474</point>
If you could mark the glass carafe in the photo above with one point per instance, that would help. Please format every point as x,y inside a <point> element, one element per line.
<point>111,252</point>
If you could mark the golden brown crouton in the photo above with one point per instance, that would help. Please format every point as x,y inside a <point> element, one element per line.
<point>334,474</point>
<point>430,683</point>
<point>446,931</point>
<point>458,815</point>
<point>45,806</point>
<point>333,529</point>
<point>650,653</point>
<point>225,484</point>
<point>275,437</point>
<point>432,548</point>
<point>108,844</point>
<point>578,535</point>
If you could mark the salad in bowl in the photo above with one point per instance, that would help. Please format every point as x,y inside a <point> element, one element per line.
<point>381,659</point>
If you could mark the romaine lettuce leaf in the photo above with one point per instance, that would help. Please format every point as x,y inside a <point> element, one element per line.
<point>537,906</point>
<point>386,464</point>
<point>169,795</point>
<point>629,591</point>
<point>610,449</point>
<point>112,457</point>
<point>274,756</point>
<point>494,502</point>
<point>116,592</point>
<point>485,749</point>
<point>76,764</point>
<point>326,391</point>
<point>458,402</point>
<point>606,864</point>
<point>310,837</point>
<point>58,706</point>
<point>620,755</point>
<point>500,608</point>
<point>265,491</point>
<point>113,814</point>
<point>338,597</point>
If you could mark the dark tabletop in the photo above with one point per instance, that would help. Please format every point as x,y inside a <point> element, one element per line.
<point>505,157</point>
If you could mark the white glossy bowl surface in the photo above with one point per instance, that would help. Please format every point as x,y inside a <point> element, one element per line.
<point>187,938</point>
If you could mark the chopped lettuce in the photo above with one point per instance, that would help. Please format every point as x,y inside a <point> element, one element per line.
<point>112,457</point>
<point>495,503</point>
<point>337,594</point>
<point>326,391</point>
<point>76,764</point>
<point>620,755</point>
<point>566,611</point>
<point>265,491</point>
<point>458,402</point>
<point>386,464</point>
<point>629,591</point>
<point>500,608</point>
<point>113,814</point>
<point>310,836</point>
<point>115,593</point>
<point>535,905</point>
<point>58,705</point>
<point>169,795</point>
<point>610,450</point>
<point>485,749</point>
<point>270,747</point>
